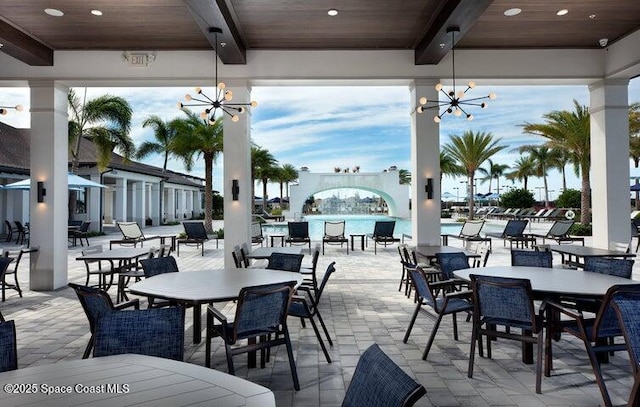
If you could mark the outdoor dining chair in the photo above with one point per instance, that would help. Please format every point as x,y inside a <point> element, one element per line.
<point>238,259</point>
<point>261,312</point>
<point>334,234</point>
<point>4,266</point>
<point>596,333</point>
<point>155,266</point>
<point>23,232</point>
<point>95,302</point>
<point>379,382</point>
<point>450,262</point>
<point>304,305</point>
<point>101,272</point>
<point>256,234</point>
<point>155,332</point>
<point>10,230</point>
<point>79,234</point>
<point>14,271</point>
<point>382,234</point>
<point>627,307</point>
<point>285,261</point>
<point>196,236</point>
<point>507,302</point>
<point>532,258</point>
<point>450,303</point>
<point>298,234</point>
<point>8,346</point>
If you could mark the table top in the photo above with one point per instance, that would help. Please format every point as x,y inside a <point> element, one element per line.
<point>586,251</point>
<point>430,251</point>
<point>140,379</point>
<point>265,252</point>
<point>120,253</point>
<point>555,281</point>
<point>199,287</point>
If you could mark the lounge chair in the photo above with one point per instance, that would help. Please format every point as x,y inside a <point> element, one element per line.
<point>256,234</point>
<point>470,232</point>
<point>513,232</point>
<point>298,234</point>
<point>382,234</point>
<point>131,235</point>
<point>267,216</point>
<point>196,235</point>
<point>559,232</point>
<point>334,234</point>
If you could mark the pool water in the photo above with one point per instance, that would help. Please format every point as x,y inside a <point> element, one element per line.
<point>355,224</point>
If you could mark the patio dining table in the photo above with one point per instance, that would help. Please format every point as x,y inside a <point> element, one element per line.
<point>429,252</point>
<point>208,286</point>
<point>129,379</point>
<point>575,253</point>
<point>262,253</point>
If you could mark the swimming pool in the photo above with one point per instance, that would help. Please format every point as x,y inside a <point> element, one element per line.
<point>355,224</point>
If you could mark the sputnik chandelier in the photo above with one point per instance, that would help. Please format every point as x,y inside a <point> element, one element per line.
<point>222,98</point>
<point>454,102</point>
<point>5,109</point>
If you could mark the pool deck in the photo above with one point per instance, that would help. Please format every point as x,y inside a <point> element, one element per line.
<point>361,305</point>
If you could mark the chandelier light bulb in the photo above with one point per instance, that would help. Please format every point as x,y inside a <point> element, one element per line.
<point>3,112</point>
<point>235,118</point>
<point>203,115</point>
<point>241,110</point>
<point>436,119</point>
<point>483,105</point>
<point>460,94</point>
<point>420,109</point>
<point>19,108</point>
<point>198,91</point>
<point>180,105</point>
<point>457,112</point>
<point>472,84</point>
<point>254,103</point>
<point>187,97</point>
<point>469,117</point>
<point>423,100</point>
<point>439,87</point>
<point>222,85</point>
<point>228,95</point>
<point>492,96</point>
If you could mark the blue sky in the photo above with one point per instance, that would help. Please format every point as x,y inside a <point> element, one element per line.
<point>327,127</point>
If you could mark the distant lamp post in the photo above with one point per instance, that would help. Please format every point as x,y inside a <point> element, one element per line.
<point>457,194</point>
<point>539,193</point>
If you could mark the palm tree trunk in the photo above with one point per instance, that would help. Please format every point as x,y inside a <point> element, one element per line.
<point>471,203</point>
<point>208,194</point>
<point>526,183</point>
<point>264,194</point>
<point>585,197</point>
<point>546,192</point>
<point>281,189</point>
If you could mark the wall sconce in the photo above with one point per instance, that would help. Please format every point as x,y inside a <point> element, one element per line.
<point>41,191</point>
<point>429,188</point>
<point>235,189</point>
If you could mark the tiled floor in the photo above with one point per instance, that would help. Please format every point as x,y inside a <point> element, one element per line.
<point>361,305</point>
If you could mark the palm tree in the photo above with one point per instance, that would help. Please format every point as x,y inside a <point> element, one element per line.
<point>164,133</point>
<point>262,168</point>
<point>543,158</point>
<point>494,170</point>
<point>570,130</point>
<point>449,166</point>
<point>106,121</point>
<point>471,150</point>
<point>288,174</point>
<point>196,138</point>
<point>523,168</point>
<point>405,177</point>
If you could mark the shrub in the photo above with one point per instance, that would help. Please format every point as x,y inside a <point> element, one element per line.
<point>517,198</point>
<point>445,215</point>
<point>578,229</point>
<point>569,198</point>
<point>219,233</point>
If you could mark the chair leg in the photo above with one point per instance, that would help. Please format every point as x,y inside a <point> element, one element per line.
<point>292,362</point>
<point>324,328</point>
<point>413,320</point>
<point>87,350</point>
<point>232,370</point>
<point>539,362</point>
<point>432,336</point>
<point>472,350</point>
<point>207,340</point>
<point>324,348</point>
<point>595,365</point>
<point>455,326</point>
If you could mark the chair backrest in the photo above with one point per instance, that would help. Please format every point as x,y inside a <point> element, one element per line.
<point>508,301</point>
<point>560,228</point>
<point>334,229</point>
<point>84,226</point>
<point>384,228</point>
<point>165,250</point>
<point>624,247</point>
<point>236,253</point>
<point>635,227</point>
<point>515,228</point>
<point>331,268</point>
<point>9,226</point>
<point>8,346</point>
<point>130,230</point>
<point>627,307</point>
<point>159,265</point>
<point>256,230</point>
<point>531,258</point>
<point>403,251</point>
<point>420,283</point>
<point>195,230</point>
<point>244,251</point>
<point>298,230</point>
<point>19,225</point>
<point>316,256</point>
<point>23,250</point>
<point>4,265</point>
<point>94,302</point>
<point>262,309</point>
<point>285,261</point>
<point>379,382</point>
<point>153,332</point>
<point>483,250</point>
<point>613,267</point>
<point>450,262</point>
<point>471,228</point>
<point>606,323</point>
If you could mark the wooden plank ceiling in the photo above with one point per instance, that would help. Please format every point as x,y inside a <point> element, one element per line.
<point>30,35</point>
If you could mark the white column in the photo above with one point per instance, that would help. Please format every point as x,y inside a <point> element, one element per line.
<point>610,161</point>
<point>171,204</point>
<point>94,207</point>
<point>156,216</point>
<point>49,160</point>
<point>183,204</point>
<point>120,210</point>
<point>237,165</point>
<point>139,202</point>
<point>425,164</point>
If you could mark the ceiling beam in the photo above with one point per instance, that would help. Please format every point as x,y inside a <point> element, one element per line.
<point>216,13</point>
<point>459,13</point>
<point>24,47</point>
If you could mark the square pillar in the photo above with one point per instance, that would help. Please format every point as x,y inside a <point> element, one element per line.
<point>425,164</point>
<point>139,202</point>
<point>609,112</point>
<point>120,210</point>
<point>154,204</point>
<point>171,204</point>
<point>49,161</point>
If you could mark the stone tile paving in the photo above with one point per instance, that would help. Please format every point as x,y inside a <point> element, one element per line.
<point>361,305</point>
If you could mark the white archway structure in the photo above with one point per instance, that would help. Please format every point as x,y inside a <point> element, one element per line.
<point>386,184</point>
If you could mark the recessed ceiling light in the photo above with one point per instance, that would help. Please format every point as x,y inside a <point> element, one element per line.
<point>53,12</point>
<point>592,16</point>
<point>562,12</point>
<point>96,12</point>
<point>332,12</point>
<point>512,12</point>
